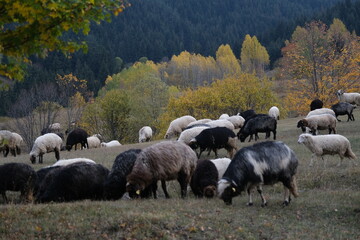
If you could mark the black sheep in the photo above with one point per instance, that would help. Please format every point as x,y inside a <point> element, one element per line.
<point>316,104</point>
<point>40,176</point>
<point>115,183</point>
<point>247,114</point>
<point>344,108</point>
<point>213,139</point>
<point>76,181</point>
<point>17,177</point>
<point>204,180</point>
<point>76,136</point>
<point>256,124</point>
<point>264,163</point>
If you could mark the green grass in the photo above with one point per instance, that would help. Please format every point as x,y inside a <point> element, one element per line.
<point>328,206</point>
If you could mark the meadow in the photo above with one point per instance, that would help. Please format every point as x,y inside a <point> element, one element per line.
<point>328,206</point>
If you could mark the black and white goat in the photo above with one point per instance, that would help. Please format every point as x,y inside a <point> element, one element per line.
<point>263,163</point>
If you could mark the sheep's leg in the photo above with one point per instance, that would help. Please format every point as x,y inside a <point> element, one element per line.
<point>287,197</point>
<point>57,154</point>
<point>249,192</point>
<point>341,160</point>
<point>163,186</point>
<point>215,151</point>
<point>263,200</point>
<point>201,150</point>
<point>40,158</point>
<point>6,152</point>
<point>274,132</point>
<point>183,184</point>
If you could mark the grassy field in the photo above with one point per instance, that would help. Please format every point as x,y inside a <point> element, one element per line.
<point>328,206</point>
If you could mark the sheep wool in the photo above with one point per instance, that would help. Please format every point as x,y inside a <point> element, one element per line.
<point>48,142</point>
<point>178,125</point>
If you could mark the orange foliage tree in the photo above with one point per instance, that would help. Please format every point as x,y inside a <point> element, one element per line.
<point>317,62</point>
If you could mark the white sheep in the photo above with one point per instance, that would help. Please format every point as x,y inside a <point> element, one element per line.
<point>224,116</point>
<point>352,98</point>
<point>221,123</point>
<point>48,142</point>
<point>113,143</point>
<point>274,112</point>
<point>65,162</point>
<point>10,141</point>
<point>93,141</point>
<point>18,140</point>
<point>321,111</point>
<point>178,125</point>
<point>237,120</point>
<point>221,165</point>
<point>187,135</point>
<point>319,122</point>
<point>327,145</point>
<point>145,134</point>
<point>201,121</point>
<point>55,127</point>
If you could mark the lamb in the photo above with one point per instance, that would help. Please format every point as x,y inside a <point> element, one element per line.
<point>316,104</point>
<point>76,136</point>
<point>344,108</point>
<point>274,112</point>
<point>237,120</point>
<point>113,143</point>
<point>43,144</point>
<point>213,139</point>
<point>166,161</point>
<point>10,142</point>
<point>221,165</point>
<point>352,98</point>
<point>204,180</point>
<point>187,135</point>
<point>93,142</point>
<point>17,177</point>
<point>263,163</point>
<point>255,124</point>
<point>145,134</point>
<point>178,125</point>
<point>319,122</point>
<point>76,181</point>
<point>327,145</point>
<point>221,123</point>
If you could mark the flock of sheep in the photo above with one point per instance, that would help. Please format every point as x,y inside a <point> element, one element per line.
<point>137,171</point>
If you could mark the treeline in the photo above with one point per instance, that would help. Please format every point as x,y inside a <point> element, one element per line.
<point>160,29</point>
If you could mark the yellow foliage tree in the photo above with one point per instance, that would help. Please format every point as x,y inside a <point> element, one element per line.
<point>227,62</point>
<point>230,95</point>
<point>317,62</point>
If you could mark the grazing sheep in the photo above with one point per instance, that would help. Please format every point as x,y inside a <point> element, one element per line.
<point>237,121</point>
<point>187,135</point>
<point>221,165</point>
<point>73,182</point>
<point>52,128</point>
<point>327,145</point>
<point>274,112</point>
<point>76,136</point>
<point>145,134</point>
<point>201,121</point>
<point>213,139</point>
<point>204,180</point>
<point>224,116</point>
<point>344,108</point>
<point>10,142</point>
<point>17,177</point>
<point>264,163</point>
<point>352,98</point>
<point>247,114</point>
<point>318,122</point>
<point>178,125</point>
<point>93,142</point>
<point>113,143</point>
<point>255,124</point>
<point>46,143</point>
<point>316,104</point>
<point>321,111</point>
<point>221,123</point>
<point>166,161</point>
